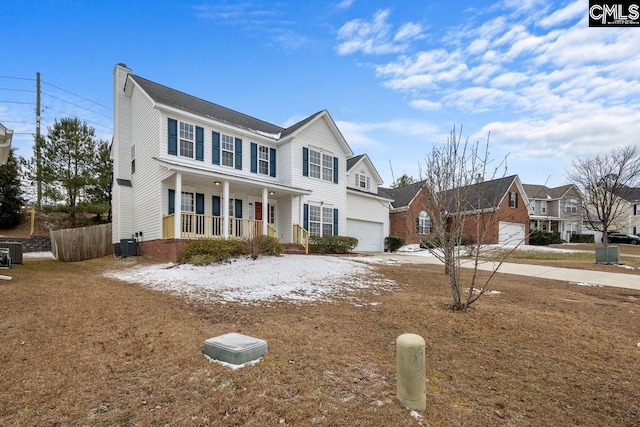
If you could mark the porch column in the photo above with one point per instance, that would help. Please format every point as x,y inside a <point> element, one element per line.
<point>224,209</point>
<point>300,209</point>
<point>177,206</point>
<point>265,211</point>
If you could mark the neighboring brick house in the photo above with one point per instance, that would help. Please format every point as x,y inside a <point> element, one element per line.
<point>556,210</point>
<point>501,204</point>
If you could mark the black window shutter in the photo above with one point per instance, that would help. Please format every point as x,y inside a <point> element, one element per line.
<point>335,222</point>
<point>335,170</point>
<point>272,162</point>
<point>238,210</point>
<point>238,153</point>
<point>199,204</point>
<point>215,205</point>
<point>216,148</point>
<point>172,201</point>
<point>199,143</point>
<point>254,157</point>
<point>305,162</point>
<point>173,137</point>
<point>305,216</point>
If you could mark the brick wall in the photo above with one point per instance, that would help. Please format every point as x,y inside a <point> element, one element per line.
<point>167,250</point>
<point>31,244</point>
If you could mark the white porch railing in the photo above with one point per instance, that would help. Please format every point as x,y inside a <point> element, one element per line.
<point>301,236</point>
<point>195,226</point>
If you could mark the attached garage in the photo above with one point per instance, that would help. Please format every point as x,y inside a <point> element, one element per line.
<point>370,235</point>
<point>511,233</point>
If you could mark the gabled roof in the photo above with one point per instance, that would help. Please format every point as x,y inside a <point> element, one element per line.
<point>484,195</point>
<point>353,161</point>
<point>402,196</point>
<point>182,101</point>
<point>164,95</point>
<point>5,143</point>
<point>630,194</point>
<point>542,192</point>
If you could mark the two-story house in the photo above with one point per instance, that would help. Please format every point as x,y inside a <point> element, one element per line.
<point>555,210</point>
<point>5,143</point>
<point>186,168</point>
<point>629,218</point>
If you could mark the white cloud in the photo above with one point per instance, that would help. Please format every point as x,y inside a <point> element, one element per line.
<point>374,135</point>
<point>568,13</point>
<point>344,4</point>
<point>425,105</point>
<point>375,36</point>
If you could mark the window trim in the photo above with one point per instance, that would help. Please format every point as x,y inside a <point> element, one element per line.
<point>362,181</point>
<point>324,222</point>
<point>133,159</point>
<point>423,224</point>
<point>323,168</point>
<point>571,206</point>
<point>265,161</point>
<point>513,199</point>
<point>183,137</point>
<point>224,150</point>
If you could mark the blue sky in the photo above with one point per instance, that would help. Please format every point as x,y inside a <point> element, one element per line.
<point>395,76</point>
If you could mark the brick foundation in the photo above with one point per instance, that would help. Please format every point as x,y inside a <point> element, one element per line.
<point>166,250</point>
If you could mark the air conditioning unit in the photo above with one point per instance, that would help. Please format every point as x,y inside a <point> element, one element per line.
<point>128,247</point>
<point>5,258</point>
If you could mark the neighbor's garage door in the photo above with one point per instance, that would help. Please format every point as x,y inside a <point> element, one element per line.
<point>511,233</point>
<point>369,234</point>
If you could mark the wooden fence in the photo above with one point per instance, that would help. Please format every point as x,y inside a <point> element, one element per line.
<point>78,244</point>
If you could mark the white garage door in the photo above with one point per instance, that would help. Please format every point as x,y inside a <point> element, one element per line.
<point>369,234</point>
<point>511,233</point>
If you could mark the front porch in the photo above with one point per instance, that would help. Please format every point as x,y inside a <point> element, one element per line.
<point>199,226</point>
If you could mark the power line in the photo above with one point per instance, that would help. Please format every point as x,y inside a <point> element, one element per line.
<point>79,96</point>
<point>17,102</point>
<point>76,105</point>
<point>72,115</point>
<point>15,78</point>
<point>17,90</point>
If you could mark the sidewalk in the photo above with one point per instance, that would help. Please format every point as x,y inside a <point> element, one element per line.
<point>618,280</point>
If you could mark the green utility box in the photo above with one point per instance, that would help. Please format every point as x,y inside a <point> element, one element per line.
<point>608,255</point>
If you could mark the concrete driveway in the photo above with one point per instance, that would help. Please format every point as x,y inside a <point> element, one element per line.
<point>618,280</point>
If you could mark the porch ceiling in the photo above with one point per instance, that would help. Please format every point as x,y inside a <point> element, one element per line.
<point>206,179</point>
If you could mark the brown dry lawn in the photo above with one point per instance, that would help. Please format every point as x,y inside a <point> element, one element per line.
<point>79,349</point>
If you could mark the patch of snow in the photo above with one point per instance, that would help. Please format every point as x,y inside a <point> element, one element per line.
<point>38,255</point>
<point>267,134</point>
<point>416,415</point>
<point>587,284</point>
<point>231,365</point>
<point>628,267</point>
<point>414,249</point>
<point>267,279</point>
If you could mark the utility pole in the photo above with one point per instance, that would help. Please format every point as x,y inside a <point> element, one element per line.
<point>38,144</point>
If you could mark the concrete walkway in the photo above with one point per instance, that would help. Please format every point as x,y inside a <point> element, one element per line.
<point>618,280</point>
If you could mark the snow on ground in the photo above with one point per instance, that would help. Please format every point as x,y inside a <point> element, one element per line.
<point>414,249</point>
<point>267,279</point>
<point>40,255</point>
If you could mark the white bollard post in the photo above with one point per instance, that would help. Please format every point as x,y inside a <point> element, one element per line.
<point>410,365</point>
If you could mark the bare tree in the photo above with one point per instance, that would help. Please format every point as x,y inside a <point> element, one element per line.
<point>460,203</point>
<point>606,180</point>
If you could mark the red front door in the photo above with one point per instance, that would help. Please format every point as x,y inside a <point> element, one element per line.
<point>259,211</point>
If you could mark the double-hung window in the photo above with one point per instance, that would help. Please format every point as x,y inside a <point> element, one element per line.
<point>186,202</point>
<point>315,158</point>
<point>543,207</point>
<point>327,167</point>
<point>320,221</point>
<point>226,149</point>
<point>513,199</point>
<point>133,159</point>
<point>186,139</point>
<point>572,206</point>
<point>363,181</point>
<point>320,165</point>
<point>263,160</point>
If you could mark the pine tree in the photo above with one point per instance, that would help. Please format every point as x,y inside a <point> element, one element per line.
<point>68,155</point>
<point>10,196</point>
<point>99,190</point>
